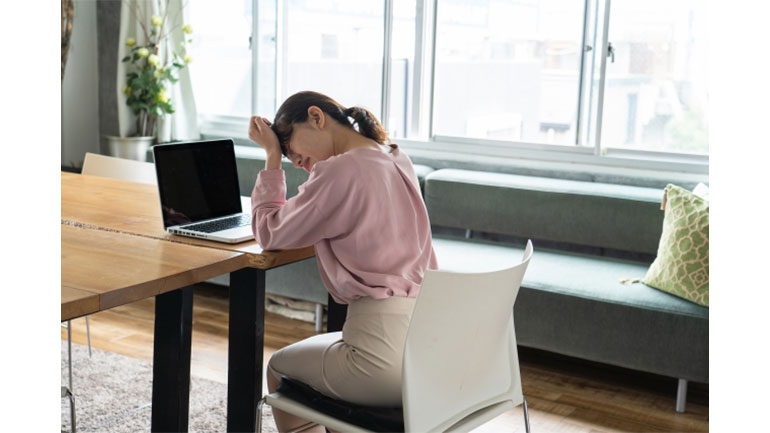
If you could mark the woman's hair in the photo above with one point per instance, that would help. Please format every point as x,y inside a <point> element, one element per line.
<point>294,110</point>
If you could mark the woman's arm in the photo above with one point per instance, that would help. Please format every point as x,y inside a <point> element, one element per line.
<point>324,208</point>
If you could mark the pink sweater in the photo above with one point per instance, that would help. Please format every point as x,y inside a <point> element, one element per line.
<point>365,215</point>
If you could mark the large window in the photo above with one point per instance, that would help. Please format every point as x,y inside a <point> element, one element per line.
<point>656,86</point>
<point>221,68</point>
<point>585,76</point>
<point>334,47</point>
<point>508,69</point>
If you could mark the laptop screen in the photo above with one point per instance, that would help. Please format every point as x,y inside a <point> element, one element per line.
<point>197,181</point>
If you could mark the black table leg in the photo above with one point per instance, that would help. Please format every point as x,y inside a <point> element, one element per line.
<point>245,348</point>
<point>171,360</point>
<point>337,315</point>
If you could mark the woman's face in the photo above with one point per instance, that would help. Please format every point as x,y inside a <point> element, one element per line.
<point>310,142</point>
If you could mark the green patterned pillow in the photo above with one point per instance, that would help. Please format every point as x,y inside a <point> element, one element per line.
<point>682,265</point>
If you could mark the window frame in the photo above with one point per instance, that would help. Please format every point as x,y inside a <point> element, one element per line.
<point>422,136</point>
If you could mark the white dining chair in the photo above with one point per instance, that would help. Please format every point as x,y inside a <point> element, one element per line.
<point>461,365</point>
<point>119,168</point>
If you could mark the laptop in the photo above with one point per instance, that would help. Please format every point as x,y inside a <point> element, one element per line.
<point>199,193</point>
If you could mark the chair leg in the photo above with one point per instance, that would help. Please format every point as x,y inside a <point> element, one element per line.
<point>69,352</point>
<point>319,318</point>
<point>526,416</point>
<point>65,392</point>
<point>260,403</point>
<point>681,396</point>
<point>72,412</point>
<point>88,333</point>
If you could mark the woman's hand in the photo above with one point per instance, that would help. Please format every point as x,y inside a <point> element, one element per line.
<point>260,133</point>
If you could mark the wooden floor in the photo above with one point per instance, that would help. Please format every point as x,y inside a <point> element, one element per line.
<point>563,394</point>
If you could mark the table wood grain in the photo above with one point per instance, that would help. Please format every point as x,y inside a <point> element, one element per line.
<point>134,208</point>
<point>104,269</point>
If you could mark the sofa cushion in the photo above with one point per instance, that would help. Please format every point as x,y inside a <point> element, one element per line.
<point>682,265</point>
<point>422,171</point>
<point>575,305</point>
<point>299,280</point>
<point>620,217</point>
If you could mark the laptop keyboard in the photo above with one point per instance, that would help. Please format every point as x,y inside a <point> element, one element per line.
<point>218,225</point>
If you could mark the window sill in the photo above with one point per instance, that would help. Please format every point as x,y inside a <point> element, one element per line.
<point>618,167</point>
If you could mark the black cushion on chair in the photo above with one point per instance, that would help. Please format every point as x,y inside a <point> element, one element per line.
<point>379,419</point>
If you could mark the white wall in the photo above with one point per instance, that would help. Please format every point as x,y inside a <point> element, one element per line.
<point>79,92</point>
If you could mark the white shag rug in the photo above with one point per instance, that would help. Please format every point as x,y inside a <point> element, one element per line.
<point>113,393</point>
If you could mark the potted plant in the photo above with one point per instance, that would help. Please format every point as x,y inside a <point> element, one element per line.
<point>150,70</point>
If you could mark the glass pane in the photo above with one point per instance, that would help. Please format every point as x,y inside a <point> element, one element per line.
<point>334,47</point>
<point>508,69</point>
<point>221,67</point>
<point>656,90</point>
<point>402,68</point>
<point>267,54</point>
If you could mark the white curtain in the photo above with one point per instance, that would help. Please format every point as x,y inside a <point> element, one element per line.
<point>183,124</point>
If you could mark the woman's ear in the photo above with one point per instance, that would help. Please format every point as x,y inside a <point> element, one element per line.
<point>316,116</point>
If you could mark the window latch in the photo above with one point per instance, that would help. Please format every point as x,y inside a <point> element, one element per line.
<point>611,52</point>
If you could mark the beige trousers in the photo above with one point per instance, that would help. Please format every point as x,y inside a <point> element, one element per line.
<point>362,364</point>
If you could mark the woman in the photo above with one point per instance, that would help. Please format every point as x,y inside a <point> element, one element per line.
<point>362,209</point>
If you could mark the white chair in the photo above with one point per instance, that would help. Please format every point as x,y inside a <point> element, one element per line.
<point>119,168</point>
<point>461,365</point>
<point>115,168</point>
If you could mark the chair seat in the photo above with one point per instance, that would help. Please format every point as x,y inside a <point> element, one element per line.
<point>379,419</point>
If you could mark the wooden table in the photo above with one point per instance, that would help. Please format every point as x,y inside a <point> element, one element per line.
<point>103,269</point>
<point>115,251</point>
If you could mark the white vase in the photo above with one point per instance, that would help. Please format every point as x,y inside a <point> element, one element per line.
<point>129,147</point>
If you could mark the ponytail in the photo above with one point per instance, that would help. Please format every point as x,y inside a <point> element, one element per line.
<point>368,125</point>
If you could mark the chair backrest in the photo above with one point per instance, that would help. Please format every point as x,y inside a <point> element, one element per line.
<point>119,168</point>
<point>460,354</point>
